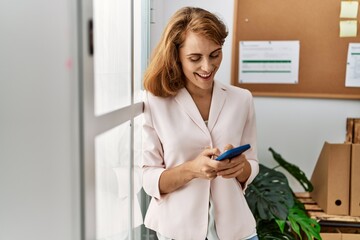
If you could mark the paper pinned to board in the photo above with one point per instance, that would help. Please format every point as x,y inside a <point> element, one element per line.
<point>348,28</point>
<point>349,9</point>
<point>269,62</point>
<point>353,66</point>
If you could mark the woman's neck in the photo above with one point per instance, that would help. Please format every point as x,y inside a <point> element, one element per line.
<point>202,99</point>
<point>199,93</point>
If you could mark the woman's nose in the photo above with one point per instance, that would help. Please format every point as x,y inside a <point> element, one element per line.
<point>207,65</point>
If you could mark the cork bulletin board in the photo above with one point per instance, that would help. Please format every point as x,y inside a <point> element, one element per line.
<point>323,53</point>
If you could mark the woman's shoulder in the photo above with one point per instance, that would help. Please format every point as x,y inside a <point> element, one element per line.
<point>235,90</point>
<point>156,102</point>
<point>148,96</point>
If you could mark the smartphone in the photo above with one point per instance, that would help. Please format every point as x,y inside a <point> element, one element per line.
<point>233,152</point>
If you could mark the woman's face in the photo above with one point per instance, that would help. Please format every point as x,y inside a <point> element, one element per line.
<point>200,59</point>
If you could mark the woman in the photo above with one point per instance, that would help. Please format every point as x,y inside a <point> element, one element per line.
<point>188,118</point>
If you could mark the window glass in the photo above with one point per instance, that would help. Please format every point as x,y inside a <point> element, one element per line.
<point>113,183</point>
<point>141,46</point>
<point>112,55</point>
<point>120,202</point>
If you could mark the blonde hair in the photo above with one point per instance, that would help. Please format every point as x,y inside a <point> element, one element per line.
<point>164,76</point>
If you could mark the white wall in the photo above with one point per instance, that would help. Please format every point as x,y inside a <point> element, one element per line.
<point>39,133</point>
<point>294,127</point>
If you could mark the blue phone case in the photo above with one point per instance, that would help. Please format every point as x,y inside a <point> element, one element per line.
<point>233,152</point>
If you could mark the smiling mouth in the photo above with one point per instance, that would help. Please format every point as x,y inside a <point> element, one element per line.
<point>204,76</point>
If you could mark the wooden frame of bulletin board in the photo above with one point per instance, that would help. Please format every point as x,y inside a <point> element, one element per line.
<point>323,53</point>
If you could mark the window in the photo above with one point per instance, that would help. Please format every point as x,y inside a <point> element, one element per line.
<point>111,108</point>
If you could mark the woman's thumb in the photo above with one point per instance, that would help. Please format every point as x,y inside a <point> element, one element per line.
<point>228,146</point>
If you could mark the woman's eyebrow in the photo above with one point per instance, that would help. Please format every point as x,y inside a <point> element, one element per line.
<point>194,54</point>
<point>216,50</point>
<point>199,54</point>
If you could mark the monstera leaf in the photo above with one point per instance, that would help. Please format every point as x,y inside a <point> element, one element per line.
<point>300,222</point>
<point>293,170</point>
<point>279,215</point>
<point>268,230</point>
<point>269,195</point>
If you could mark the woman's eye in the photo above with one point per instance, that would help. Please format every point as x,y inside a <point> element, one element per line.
<point>215,55</point>
<point>194,59</point>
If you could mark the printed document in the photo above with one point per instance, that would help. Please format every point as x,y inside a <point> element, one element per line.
<point>269,62</point>
<point>353,66</point>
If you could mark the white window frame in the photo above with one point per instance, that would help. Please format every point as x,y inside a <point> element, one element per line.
<point>92,125</point>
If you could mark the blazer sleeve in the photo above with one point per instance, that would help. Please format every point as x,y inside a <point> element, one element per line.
<point>152,157</point>
<point>249,136</point>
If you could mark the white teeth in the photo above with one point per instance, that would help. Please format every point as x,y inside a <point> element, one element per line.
<point>204,75</point>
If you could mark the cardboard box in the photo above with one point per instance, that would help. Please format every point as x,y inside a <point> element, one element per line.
<point>349,130</point>
<point>355,181</point>
<point>350,236</point>
<point>356,136</point>
<point>353,130</point>
<point>338,234</point>
<point>349,233</point>
<point>331,179</point>
<point>330,236</point>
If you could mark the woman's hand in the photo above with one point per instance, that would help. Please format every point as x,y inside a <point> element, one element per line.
<point>237,167</point>
<point>203,166</point>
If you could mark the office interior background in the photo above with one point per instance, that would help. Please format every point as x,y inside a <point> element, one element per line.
<point>70,122</point>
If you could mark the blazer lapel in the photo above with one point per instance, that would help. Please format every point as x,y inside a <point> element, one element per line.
<point>184,99</point>
<point>217,103</point>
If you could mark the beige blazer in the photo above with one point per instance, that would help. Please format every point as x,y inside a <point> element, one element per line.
<point>174,132</point>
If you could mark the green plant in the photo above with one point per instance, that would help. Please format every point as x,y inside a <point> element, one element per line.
<point>279,215</point>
